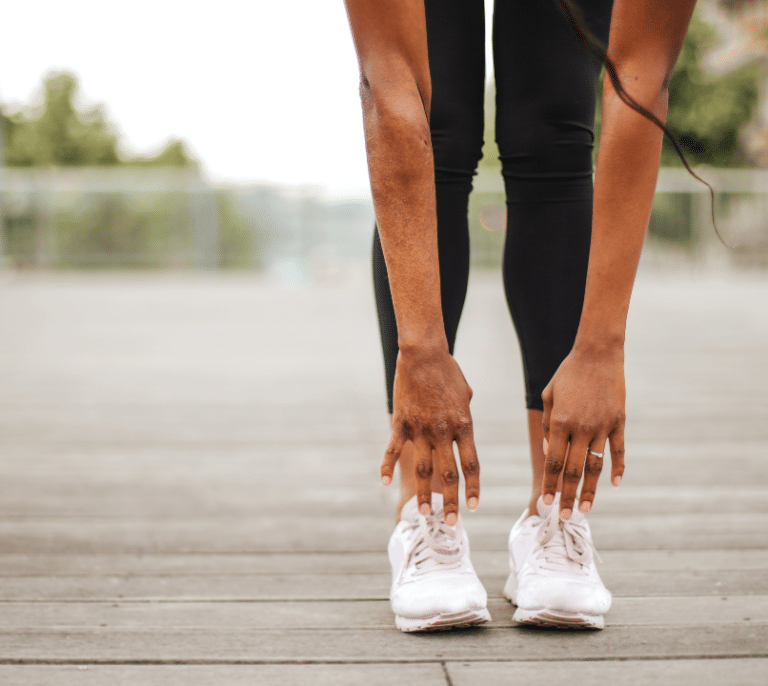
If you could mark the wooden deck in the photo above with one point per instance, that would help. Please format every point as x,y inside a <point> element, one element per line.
<point>189,491</point>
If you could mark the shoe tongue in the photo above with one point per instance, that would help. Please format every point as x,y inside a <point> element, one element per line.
<point>545,511</point>
<point>410,511</point>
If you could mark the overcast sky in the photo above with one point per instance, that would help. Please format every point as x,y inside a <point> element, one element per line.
<point>260,90</point>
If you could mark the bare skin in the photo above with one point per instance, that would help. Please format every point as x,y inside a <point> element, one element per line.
<point>584,402</point>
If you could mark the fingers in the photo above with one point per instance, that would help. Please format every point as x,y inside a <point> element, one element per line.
<point>470,465</point>
<point>592,468</point>
<point>553,464</point>
<point>449,477</point>
<point>616,441</point>
<point>423,465</point>
<point>391,456</point>
<point>574,465</point>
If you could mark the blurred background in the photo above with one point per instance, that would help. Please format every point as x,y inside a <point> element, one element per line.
<point>183,141</point>
<point>192,404</point>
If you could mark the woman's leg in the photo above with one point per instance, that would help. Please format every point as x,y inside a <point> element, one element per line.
<point>456,39</point>
<point>545,82</point>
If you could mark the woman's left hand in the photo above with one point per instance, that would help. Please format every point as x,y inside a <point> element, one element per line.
<point>583,408</point>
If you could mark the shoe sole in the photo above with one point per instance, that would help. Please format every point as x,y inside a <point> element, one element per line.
<point>557,619</point>
<point>443,622</point>
<point>546,617</point>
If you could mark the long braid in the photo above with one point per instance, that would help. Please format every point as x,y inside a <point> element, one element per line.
<point>573,15</point>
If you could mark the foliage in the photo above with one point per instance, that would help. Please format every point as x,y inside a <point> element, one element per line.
<point>705,113</point>
<point>80,228</point>
<point>57,133</point>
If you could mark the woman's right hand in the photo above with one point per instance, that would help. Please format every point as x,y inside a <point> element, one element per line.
<point>431,409</point>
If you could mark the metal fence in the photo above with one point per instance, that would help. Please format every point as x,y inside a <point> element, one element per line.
<point>171,218</point>
<point>681,224</point>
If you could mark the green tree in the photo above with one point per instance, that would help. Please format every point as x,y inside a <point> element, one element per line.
<point>59,134</point>
<point>705,114</point>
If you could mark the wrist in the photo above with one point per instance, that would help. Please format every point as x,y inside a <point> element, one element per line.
<point>423,346</point>
<point>599,344</point>
<point>425,335</point>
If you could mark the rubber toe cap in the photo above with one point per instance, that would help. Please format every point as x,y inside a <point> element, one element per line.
<point>432,595</point>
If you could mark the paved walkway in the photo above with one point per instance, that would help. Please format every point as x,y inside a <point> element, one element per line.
<point>189,491</point>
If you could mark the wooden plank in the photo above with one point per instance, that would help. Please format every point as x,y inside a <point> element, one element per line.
<point>487,562</point>
<point>65,495</point>
<point>738,672</point>
<point>215,675</point>
<point>281,532</point>
<point>668,611</point>
<point>147,428</point>
<point>75,645</point>
<point>293,587</point>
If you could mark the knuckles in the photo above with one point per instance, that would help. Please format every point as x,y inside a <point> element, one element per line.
<point>585,428</point>
<point>439,429</point>
<point>617,452</point>
<point>594,466</point>
<point>450,477</point>
<point>463,428</point>
<point>553,466</point>
<point>560,425</point>
<point>407,429</point>
<point>471,468</point>
<point>572,474</point>
<point>424,470</point>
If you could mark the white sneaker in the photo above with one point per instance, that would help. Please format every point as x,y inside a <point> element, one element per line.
<point>434,585</point>
<point>554,580</point>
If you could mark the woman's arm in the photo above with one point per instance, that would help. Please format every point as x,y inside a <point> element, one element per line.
<point>431,396</point>
<point>584,402</point>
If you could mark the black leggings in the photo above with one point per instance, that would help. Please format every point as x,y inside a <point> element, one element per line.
<point>545,110</point>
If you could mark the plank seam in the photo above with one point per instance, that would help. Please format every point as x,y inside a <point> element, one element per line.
<point>448,680</point>
<point>403,661</point>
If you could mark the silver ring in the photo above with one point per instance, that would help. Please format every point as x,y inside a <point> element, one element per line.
<point>592,452</point>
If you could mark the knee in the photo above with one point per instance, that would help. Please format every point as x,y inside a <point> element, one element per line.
<point>554,139</point>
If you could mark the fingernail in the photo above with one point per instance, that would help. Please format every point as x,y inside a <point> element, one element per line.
<point>549,499</point>
<point>616,481</point>
<point>585,507</point>
<point>565,514</point>
<point>472,504</point>
<point>385,481</point>
<point>451,519</point>
<point>425,509</point>
<point>546,445</point>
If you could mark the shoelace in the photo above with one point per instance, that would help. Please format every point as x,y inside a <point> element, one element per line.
<point>436,544</point>
<point>564,546</point>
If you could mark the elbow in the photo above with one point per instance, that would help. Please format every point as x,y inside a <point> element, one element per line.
<point>395,110</point>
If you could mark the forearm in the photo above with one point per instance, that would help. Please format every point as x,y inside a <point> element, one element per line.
<point>645,41</point>
<point>625,181</point>
<point>402,182</point>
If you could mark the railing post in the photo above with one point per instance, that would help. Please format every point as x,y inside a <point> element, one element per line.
<point>206,243</point>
